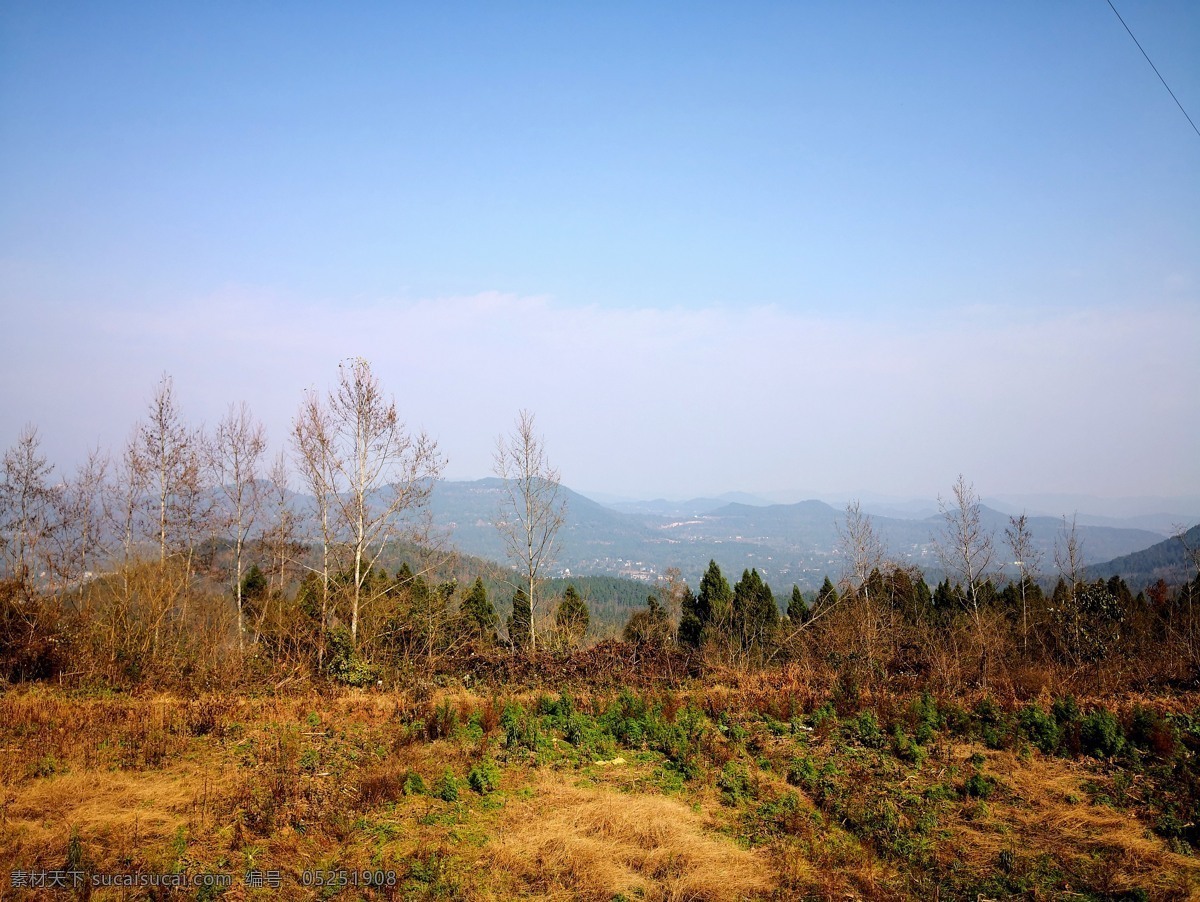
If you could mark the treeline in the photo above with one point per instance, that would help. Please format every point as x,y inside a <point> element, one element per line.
<point>185,557</point>
<point>892,624</point>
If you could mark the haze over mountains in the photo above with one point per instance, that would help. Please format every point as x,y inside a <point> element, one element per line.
<point>787,543</point>
<point>1157,514</point>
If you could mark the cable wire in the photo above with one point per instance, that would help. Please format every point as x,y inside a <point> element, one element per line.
<point>1156,72</point>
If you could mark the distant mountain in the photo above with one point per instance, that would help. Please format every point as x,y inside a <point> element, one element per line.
<point>908,510</point>
<point>787,543</point>
<point>1099,543</point>
<point>469,510</point>
<point>690,508</point>
<point>1163,515</point>
<point>1169,560</point>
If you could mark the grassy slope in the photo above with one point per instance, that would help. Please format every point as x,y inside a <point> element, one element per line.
<point>713,793</point>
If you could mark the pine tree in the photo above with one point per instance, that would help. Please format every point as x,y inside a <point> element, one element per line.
<point>922,598</point>
<point>943,596</point>
<point>520,623</point>
<point>691,621</point>
<point>708,612</point>
<point>478,611</point>
<point>797,610</point>
<point>755,615</point>
<point>572,616</point>
<point>827,596</point>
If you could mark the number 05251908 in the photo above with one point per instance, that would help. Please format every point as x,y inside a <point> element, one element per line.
<point>348,878</point>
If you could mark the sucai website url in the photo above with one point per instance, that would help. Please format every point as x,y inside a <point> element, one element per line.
<point>62,879</point>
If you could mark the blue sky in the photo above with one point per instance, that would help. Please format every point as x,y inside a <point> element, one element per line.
<point>768,247</point>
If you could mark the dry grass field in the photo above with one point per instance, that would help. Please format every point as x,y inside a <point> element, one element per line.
<point>667,795</point>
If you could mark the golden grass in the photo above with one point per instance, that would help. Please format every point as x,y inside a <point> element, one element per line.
<point>126,774</point>
<point>1044,809</point>
<point>118,816</point>
<point>592,843</point>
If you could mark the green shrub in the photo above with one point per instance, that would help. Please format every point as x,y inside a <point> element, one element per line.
<point>1100,735</point>
<point>732,730</point>
<point>1041,728</point>
<point>1064,710</point>
<point>446,787</point>
<point>987,712</point>
<point>1152,732</point>
<point>345,663</point>
<point>823,714</point>
<point>802,772</point>
<point>734,783</point>
<point>927,720</point>
<point>414,784</point>
<point>905,749</point>
<point>867,727</point>
<point>520,730</point>
<point>978,786</point>
<point>484,777</point>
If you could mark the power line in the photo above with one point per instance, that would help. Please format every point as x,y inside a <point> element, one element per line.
<point>1156,72</point>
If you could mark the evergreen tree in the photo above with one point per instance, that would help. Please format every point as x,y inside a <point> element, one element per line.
<point>943,597</point>
<point>716,599</point>
<point>900,591</point>
<point>827,596</point>
<point>708,612</point>
<point>691,620</point>
<point>1119,590</point>
<point>572,616</point>
<point>755,615</point>
<point>874,587</point>
<point>520,622</point>
<point>477,610</point>
<point>1061,596</point>
<point>923,597</point>
<point>254,584</point>
<point>797,610</point>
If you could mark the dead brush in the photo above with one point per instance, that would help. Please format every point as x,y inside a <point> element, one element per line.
<point>441,720</point>
<point>381,784</point>
<point>207,716</point>
<point>489,716</point>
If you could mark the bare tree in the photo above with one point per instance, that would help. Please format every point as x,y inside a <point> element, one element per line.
<point>965,547</point>
<point>26,508</point>
<point>163,438</point>
<point>172,457</point>
<point>531,509</point>
<point>385,475</point>
<point>672,589</point>
<point>238,445</point>
<point>81,520</point>
<point>282,538</point>
<point>124,495</point>
<point>312,440</point>
<point>966,550</point>
<point>1019,540</point>
<point>1068,559</point>
<point>1068,555</point>
<point>862,548</point>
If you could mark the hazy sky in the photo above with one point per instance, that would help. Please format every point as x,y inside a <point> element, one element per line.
<point>768,247</point>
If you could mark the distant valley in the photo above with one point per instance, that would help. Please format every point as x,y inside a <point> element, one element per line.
<point>788,543</point>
